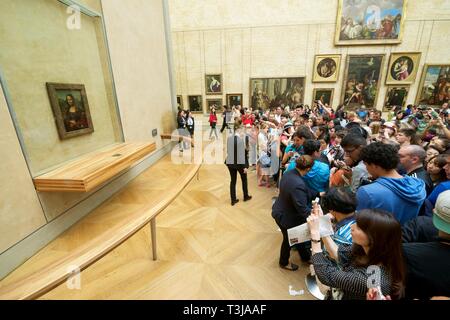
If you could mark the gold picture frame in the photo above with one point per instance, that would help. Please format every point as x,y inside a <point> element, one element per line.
<point>213,84</point>
<point>379,26</point>
<point>363,65</point>
<point>403,67</point>
<point>218,102</point>
<point>70,108</point>
<point>395,96</point>
<point>234,99</point>
<point>266,93</point>
<point>195,103</point>
<point>326,68</point>
<point>432,74</point>
<point>324,94</point>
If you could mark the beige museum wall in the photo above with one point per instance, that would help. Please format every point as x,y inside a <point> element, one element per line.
<point>135,30</point>
<point>37,47</point>
<point>271,38</point>
<point>136,39</point>
<point>20,212</point>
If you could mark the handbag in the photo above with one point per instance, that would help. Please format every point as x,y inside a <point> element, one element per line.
<point>265,160</point>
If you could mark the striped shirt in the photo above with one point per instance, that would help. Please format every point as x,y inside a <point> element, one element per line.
<point>350,280</point>
<point>343,232</point>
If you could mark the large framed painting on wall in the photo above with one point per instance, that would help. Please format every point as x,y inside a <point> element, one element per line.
<point>434,88</point>
<point>403,67</point>
<point>362,80</point>
<point>271,92</point>
<point>324,95</point>
<point>370,22</point>
<point>326,68</point>
<point>395,96</point>
<point>195,103</point>
<point>234,99</point>
<point>216,103</point>
<point>71,109</point>
<point>213,84</point>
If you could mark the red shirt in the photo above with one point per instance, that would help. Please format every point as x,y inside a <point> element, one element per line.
<point>246,119</point>
<point>212,118</point>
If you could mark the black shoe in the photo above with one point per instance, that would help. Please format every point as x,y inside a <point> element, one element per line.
<point>247,198</point>
<point>233,202</point>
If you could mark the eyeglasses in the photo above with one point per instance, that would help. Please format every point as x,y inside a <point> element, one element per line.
<point>348,151</point>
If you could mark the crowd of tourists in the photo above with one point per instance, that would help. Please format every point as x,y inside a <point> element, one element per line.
<point>384,182</point>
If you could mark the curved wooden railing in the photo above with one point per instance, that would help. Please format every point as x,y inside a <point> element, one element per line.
<point>46,279</point>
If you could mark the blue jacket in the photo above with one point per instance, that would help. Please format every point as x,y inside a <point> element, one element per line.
<point>318,177</point>
<point>402,197</point>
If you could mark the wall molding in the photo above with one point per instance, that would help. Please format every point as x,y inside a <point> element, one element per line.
<point>29,246</point>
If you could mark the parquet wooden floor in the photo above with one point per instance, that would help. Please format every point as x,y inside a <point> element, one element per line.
<point>207,249</point>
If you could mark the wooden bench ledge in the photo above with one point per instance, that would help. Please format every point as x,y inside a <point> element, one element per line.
<point>93,169</point>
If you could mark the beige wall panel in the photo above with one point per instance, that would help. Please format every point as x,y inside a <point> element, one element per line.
<point>246,67</point>
<point>192,14</point>
<point>196,83</point>
<point>279,51</point>
<point>233,61</point>
<point>139,61</point>
<point>438,51</point>
<point>429,9</point>
<point>213,51</point>
<point>20,212</point>
<point>411,37</point>
<point>193,51</point>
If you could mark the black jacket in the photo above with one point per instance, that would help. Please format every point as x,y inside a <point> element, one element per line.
<point>421,173</point>
<point>181,121</point>
<point>293,204</point>
<point>237,152</point>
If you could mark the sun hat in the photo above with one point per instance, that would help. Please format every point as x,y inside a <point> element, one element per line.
<point>441,216</point>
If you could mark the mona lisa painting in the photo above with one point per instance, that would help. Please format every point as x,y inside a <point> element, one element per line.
<point>71,109</point>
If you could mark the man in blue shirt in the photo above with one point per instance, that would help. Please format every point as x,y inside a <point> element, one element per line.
<point>318,177</point>
<point>401,196</point>
<point>295,150</point>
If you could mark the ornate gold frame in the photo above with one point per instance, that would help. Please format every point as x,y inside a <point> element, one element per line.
<point>316,77</point>
<point>366,42</point>
<point>344,84</point>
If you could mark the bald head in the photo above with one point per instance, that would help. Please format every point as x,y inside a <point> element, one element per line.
<point>412,157</point>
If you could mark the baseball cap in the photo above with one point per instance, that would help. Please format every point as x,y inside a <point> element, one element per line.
<point>441,216</point>
<point>287,126</point>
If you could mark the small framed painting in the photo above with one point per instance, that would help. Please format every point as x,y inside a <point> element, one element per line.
<point>214,103</point>
<point>326,68</point>
<point>71,109</point>
<point>395,96</point>
<point>234,99</point>
<point>213,84</point>
<point>195,103</point>
<point>403,68</point>
<point>324,95</point>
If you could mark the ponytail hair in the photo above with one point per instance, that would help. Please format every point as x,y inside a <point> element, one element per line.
<point>304,162</point>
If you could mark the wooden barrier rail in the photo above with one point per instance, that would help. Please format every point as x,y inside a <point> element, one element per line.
<point>93,169</point>
<point>46,279</point>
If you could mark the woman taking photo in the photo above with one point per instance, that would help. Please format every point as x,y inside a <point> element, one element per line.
<point>376,237</point>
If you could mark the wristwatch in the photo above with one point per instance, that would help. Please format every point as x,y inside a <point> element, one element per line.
<point>314,240</point>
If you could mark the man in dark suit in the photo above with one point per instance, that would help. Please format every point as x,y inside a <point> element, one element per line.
<point>237,160</point>
<point>292,207</point>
